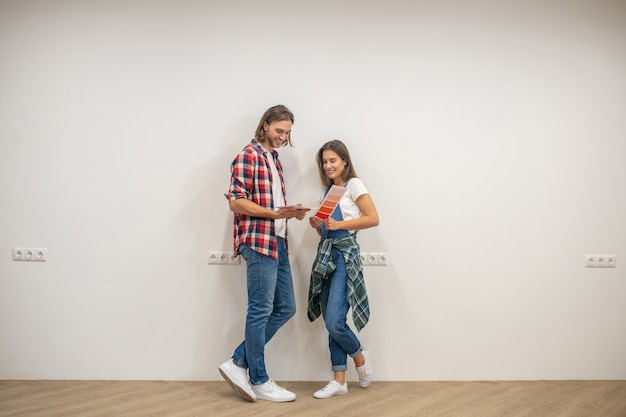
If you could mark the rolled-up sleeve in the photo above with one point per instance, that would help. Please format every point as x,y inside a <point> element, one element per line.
<point>242,176</point>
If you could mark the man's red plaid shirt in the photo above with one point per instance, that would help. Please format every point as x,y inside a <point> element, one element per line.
<point>251,178</point>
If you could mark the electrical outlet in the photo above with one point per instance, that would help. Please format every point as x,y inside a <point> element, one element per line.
<point>380,259</point>
<point>30,254</point>
<point>600,261</point>
<point>223,258</point>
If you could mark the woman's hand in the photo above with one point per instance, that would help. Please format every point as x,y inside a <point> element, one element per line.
<point>315,222</point>
<point>331,224</point>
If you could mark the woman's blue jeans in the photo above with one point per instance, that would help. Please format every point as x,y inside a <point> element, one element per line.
<point>271,302</point>
<point>341,339</point>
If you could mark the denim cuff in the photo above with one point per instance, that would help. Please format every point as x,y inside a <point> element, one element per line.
<point>358,351</point>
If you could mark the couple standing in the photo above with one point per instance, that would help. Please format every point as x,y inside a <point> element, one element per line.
<point>257,198</point>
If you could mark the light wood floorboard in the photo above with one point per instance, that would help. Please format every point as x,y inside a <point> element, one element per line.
<point>45,398</point>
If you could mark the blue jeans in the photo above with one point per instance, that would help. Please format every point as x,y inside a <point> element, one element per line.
<point>341,339</point>
<point>271,302</point>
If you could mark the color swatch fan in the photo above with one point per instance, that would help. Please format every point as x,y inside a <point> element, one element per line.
<point>330,202</point>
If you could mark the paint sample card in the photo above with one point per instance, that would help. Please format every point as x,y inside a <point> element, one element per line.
<point>330,202</point>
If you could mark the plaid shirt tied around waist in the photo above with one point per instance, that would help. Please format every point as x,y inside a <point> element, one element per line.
<point>323,267</point>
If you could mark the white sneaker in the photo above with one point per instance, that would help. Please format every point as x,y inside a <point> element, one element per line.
<point>331,389</point>
<point>271,391</point>
<point>365,371</point>
<point>237,378</point>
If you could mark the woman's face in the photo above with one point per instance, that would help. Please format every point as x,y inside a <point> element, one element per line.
<point>333,166</point>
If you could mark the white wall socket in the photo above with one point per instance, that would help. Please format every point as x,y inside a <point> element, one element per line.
<point>375,258</point>
<point>600,261</point>
<point>223,258</point>
<point>30,254</point>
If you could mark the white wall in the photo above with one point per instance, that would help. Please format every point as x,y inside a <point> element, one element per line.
<point>492,137</point>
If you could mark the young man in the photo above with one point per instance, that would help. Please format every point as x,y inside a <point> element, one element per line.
<point>255,195</point>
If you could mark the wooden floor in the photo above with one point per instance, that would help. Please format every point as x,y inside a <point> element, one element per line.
<point>216,399</point>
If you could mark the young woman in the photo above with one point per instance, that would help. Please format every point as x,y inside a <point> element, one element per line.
<point>337,278</point>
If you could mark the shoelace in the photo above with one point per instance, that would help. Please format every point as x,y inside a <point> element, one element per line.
<point>275,386</point>
<point>330,386</point>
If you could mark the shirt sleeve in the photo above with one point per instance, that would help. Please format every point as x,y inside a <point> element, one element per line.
<point>242,176</point>
<point>349,208</point>
<point>356,188</point>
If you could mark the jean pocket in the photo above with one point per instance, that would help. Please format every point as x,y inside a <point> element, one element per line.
<point>246,253</point>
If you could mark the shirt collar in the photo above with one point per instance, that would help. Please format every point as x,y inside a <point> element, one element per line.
<point>264,150</point>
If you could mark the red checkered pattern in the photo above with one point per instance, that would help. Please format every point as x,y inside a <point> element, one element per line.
<point>251,178</point>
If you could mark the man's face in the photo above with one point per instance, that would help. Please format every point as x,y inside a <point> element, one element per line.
<point>277,133</point>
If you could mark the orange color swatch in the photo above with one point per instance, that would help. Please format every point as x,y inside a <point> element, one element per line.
<point>330,202</point>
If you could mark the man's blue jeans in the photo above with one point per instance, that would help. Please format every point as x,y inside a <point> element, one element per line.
<point>271,302</point>
<point>342,341</point>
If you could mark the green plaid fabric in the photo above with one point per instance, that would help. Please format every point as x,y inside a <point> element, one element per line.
<point>323,267</point>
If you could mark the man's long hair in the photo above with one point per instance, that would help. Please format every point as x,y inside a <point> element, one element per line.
<point>273,114</point>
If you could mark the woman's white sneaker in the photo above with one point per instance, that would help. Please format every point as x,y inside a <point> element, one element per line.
<point>365,371</point>
<point>331,389</point>
<point>271,391</point>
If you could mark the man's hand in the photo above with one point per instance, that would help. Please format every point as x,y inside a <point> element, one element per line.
<point>290,212</point>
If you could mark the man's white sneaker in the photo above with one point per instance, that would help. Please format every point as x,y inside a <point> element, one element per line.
<point>365,371</point>
<point>331,389</point>
<point>271,391</point>
<point>237,378</point>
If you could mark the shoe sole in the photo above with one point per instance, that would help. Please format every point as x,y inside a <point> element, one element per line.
<point>330,396</point>
<point>242,392</point>
<point>275,400</point>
